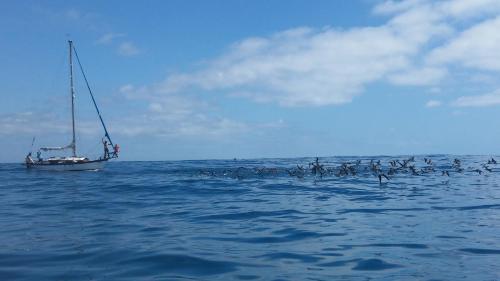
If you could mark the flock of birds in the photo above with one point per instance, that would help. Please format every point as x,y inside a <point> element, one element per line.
<point>355,168</point>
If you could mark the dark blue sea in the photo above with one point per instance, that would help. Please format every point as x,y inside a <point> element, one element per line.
<point>268,219</point>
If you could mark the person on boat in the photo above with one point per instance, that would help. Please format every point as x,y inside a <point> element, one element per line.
<point>106,149</point>
<point>39,156</point>
<point>116,149</point>
<point>29,160</point>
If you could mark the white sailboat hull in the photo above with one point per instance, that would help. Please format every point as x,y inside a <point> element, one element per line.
<point>93,165</point>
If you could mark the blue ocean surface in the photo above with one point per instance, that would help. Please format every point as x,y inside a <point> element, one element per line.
<point>267,219</point>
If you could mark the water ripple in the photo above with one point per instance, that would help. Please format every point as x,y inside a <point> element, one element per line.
<point>258,219</point>
<point>374,264</point>
<point>379,211</point>
<point>249,215</point>
<point>481,251</point>
<point>180,264</point>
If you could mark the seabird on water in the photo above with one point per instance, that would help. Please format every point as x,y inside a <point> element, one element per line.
<point>380,176</point>
<point>487,168</point>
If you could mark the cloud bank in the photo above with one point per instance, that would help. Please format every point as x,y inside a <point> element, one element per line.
<point>305,66</point>
<point>419,44</point>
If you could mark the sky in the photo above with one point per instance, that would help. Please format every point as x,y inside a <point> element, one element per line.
<point>251,79</point>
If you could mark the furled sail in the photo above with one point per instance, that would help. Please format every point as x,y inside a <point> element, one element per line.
<point>71,145</point>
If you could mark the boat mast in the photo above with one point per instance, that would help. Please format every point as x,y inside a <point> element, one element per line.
<point>72,92</point>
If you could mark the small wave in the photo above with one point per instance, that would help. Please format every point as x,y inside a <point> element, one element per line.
<point>247,277</point>
<point>291,256</point>
<point>363,264</point>
<point>379,211</point>
<point>466,208</point>
<point>249,215</point>
<point>295,236</point>
<point>481,251</point>
<point>450,237</point>
<point>389,245</point>
<point>374,198</point>
<point>338,263</point>
<point>179,264</point>
<point>374,264</point>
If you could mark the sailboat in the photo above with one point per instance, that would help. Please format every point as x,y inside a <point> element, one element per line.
<point>74,162</point>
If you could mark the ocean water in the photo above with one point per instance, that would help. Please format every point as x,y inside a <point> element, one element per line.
<point>253,220</point>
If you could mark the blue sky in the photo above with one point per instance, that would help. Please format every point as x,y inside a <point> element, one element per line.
<point>250,79</point>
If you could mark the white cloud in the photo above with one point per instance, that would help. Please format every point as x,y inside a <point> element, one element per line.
<point>433,103</point>
<point>330,66</point>
<point>490,99</point>
<point>466,9</point>
<point>108,38</point>
<point>419,77</point>
<point>37,123</point>
<point>173,115</point>
<point>307,67</point>
<point>28,123</point>
<point>391,6</point>
<point>128,88</point>
<point>477,47</point>
<point>128,49</point>
<point>196,126</point>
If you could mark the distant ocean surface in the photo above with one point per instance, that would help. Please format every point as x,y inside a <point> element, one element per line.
<point>252,220</point>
